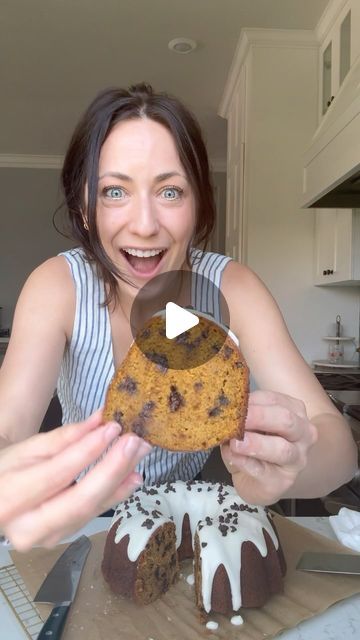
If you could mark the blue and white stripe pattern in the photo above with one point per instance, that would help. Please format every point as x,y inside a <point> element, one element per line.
<point>88,363</point>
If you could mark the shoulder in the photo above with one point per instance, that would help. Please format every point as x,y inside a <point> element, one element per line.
<point>50,290</point>
<point>53,274</point>
<point>238,279</point>
<point>253,310</point>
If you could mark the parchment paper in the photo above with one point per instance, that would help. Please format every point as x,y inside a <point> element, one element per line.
<point>98,614</point>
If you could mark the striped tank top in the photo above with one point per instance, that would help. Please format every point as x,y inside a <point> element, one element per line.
<point>88,364</point>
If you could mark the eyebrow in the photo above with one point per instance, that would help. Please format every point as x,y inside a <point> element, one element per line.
<point>160,178</point>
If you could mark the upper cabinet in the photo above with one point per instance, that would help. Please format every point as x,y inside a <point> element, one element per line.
<point>337,242</point>
<point>335,58</point>
<point>332,155</point>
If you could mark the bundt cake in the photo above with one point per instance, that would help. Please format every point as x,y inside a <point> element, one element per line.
<point>238,560</point>
<point>164,395</point>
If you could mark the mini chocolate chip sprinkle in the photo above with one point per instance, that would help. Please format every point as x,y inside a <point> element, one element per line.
<point>129,385</point>
<point>199,489</point>
<point>233,529</point>
<point>153,492</point>
<point>204,544</point>
<point>129,515</point>
<point>157,501</point>
<point>223,528</point>
<point>148,523</point>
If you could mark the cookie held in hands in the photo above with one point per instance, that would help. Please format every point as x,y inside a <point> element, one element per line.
<point>161,393</point>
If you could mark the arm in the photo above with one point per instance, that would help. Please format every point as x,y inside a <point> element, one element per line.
<point>39,504</point>
<point>32,362</point>
<point>297,444</point>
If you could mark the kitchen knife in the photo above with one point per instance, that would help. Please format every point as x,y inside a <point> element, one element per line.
<point>60,585</point>
<point>345,563</point>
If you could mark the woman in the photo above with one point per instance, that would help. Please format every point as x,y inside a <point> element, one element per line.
<point>138,195</point>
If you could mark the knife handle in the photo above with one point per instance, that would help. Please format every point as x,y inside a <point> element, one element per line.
<point>54,625</point>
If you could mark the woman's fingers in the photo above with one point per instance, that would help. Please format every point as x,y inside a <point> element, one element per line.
<point>111,479</point>
<point>33,485</point>
<point>276,398</point>
<point>273,449</point>
<point>45,445</point>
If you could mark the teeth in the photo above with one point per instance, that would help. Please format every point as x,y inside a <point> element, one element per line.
<point>143,254</point>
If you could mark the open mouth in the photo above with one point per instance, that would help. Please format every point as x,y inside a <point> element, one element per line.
<point>143,261</point>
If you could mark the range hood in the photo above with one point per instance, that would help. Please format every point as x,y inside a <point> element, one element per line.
<point>332,162</point>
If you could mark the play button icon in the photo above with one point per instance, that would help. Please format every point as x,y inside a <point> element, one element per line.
<point>170,320</point>
<point>178,320</point>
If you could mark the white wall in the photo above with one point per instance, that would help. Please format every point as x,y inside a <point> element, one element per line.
<point>281,120</point>
<point>29,198</point>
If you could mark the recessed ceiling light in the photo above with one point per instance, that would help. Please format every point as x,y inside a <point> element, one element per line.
<point>182,45</point>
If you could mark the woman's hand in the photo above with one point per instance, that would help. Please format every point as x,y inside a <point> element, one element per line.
<point>278,437</point>
<point>40,504</point>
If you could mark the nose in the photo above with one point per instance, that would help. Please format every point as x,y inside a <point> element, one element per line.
<point>144,220</point>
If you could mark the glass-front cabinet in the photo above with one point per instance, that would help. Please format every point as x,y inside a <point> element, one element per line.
<point>336,55</point>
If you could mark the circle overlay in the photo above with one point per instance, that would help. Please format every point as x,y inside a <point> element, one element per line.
<point>191,292</point>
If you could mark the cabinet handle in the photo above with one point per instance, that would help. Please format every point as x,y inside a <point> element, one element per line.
<point>328,272</point>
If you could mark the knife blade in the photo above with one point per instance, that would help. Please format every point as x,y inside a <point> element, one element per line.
<point>60,585</point>
<point>345,563</point>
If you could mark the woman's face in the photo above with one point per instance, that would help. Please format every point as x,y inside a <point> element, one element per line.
<point>145,205</point>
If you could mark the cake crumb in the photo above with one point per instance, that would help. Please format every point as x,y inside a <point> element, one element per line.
<point>212,625</point>
<point>237,620</point>
<point>190,579</point>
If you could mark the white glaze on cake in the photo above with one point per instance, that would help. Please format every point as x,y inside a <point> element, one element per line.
<point>221,519</point>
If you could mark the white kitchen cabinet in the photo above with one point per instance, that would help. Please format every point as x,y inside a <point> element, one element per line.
<point>337,242</point>
<point>339,48</point>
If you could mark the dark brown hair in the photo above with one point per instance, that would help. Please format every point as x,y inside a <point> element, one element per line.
<point>82,160</point>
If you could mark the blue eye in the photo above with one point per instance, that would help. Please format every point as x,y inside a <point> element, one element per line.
<point>116,193</point>
<point>172,193</point>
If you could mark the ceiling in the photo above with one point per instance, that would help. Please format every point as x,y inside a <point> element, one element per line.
<point>56,54</point>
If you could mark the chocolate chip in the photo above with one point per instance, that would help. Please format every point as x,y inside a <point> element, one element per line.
<point>175,399</point>
<point>129,385</point>
<point>223,528</point>
<point>148,523</point>
<point>198,386</point>
<point>138,427</point>
<point>160,359</point>
<point>223,399</point>
<point>147,409</point>
<point>228,351</point>
<point>216,348</point>
<point>117,415</point>
<point>145,334</point>
<point>204,544</point>
<point>215,411</point>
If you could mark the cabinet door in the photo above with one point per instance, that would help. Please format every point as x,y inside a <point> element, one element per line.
<point>325,238</point>
<point>337,246</point>
<point>336,56</point>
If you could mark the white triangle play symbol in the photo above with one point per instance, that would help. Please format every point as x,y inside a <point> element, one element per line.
<point>178,320</point>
